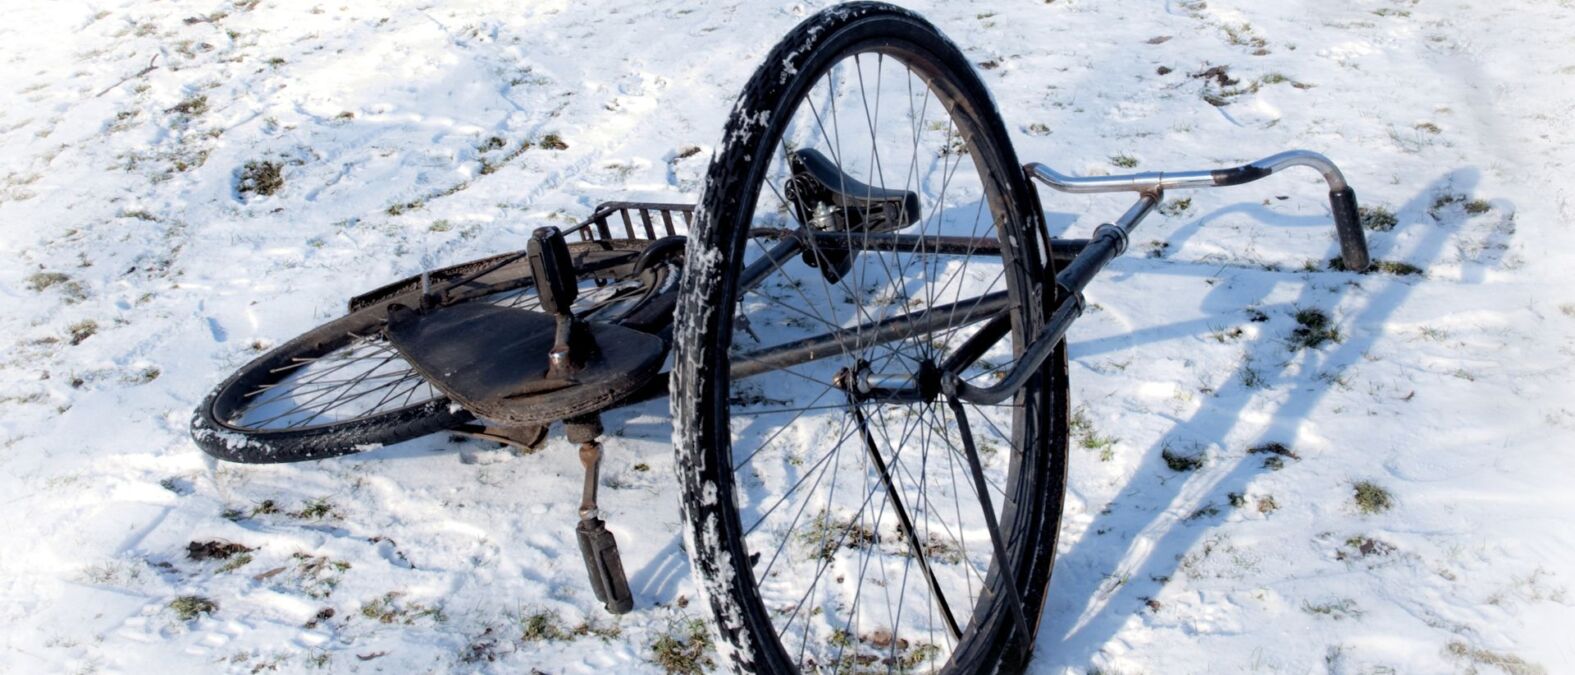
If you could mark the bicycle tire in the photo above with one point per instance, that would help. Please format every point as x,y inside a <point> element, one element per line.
<point>216,431</point>
<point>705,328</point>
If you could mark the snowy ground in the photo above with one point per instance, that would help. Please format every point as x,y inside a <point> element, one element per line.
<point>135,276</point>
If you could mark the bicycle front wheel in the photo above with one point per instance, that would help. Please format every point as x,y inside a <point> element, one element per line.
<point>831,533</point>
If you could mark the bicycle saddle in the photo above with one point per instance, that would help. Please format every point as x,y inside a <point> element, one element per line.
<point>827,199</point>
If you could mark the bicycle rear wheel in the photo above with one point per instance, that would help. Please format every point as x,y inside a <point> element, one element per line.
<point>829,532</point>
<point>342,388</point>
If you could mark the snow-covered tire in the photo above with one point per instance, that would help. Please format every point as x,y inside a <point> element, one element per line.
<point>704,329</point>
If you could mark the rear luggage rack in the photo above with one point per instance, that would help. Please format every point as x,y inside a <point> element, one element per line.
<point>607,214</point>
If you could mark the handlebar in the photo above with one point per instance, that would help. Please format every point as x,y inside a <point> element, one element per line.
<point>1110,240</point>
<point>1342,199</point>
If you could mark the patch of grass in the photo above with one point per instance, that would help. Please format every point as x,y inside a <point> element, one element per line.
<point>954,147</point>
<point>1397,268</point>
<point>1448,199</point>
<point>1277,454</point>
<point>483,648</point>
<point>1274,449</point>
<point>1124,161</point>
<point>440,226</point>
<point>1429,127</point>
<point>1377,218</point>
<point>317,575</point>
<point>1182,462</point>
<point>316,509</point>
<point>1477,207</point>
<point>934,547</point>
<point>684,649</point>
<point>1371,498</point>
<point>1237,500</point>
<point>492,165</point>
<point>236,563</point>
<point>319,659</point>
<point>876,648</point>
<point>1089,438</point>
<point>82,330</point>
<point>390,609</point>
<point>1176,207</point>
<point>543,626</point>
<point>1344,608</point>
<point>38,282</point>
<point>1251,377</point>
<point>215,549</point>
<point>825,534</point>
<point>1242,36</point>
<point>188,607</point>
<point>1313,329</point>
<point>1394,267</point>
<point>1509,663</point>
<point>1267,505</point>
<point>1223,336</point>
<point>260,177</point>
<point>1209,511</point>
<point>1093,441</point>
<point>1038,129</point>
<point>193,106</point>
<point>1361,546</point>
<point>177,485</point>
<point>548,626</point>
<point>553,142</point>
<point>397,209</point>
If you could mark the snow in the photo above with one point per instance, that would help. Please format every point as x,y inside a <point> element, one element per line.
<point>1449,389</point>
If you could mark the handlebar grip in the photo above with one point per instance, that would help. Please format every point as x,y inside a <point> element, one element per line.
<point>1348,224</point>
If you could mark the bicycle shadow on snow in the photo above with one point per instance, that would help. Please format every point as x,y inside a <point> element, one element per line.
<point>1123,557</point>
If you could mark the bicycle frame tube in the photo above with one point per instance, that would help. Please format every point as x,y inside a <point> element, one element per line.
<point>1079,262</point>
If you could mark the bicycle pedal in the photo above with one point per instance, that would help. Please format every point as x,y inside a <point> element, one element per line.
<point>552,268</point>
<point>604,565</point>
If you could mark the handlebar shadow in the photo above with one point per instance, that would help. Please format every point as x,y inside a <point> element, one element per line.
<point>1144,545</point>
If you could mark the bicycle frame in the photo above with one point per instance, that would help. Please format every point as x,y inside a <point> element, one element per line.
<point>1079,262</point>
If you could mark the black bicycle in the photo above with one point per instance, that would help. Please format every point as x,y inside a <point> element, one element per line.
<point>860,330</point>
